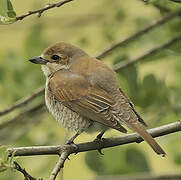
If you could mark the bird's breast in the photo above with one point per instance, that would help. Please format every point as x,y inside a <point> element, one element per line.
<point>66,117</point>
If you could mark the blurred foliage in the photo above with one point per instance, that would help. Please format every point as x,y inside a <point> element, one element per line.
<point>5,161</point>
<point>7,13</point>
<point>153,84</point>
<point>117,161</point>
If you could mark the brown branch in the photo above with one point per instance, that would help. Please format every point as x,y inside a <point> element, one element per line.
<point>40,11</point>
<point>23,101</point>
<point>22,115</point>
<point>59,165</point>
<point>150,52</point>
<point>143,176</point>
<point>176,1</point>
<point>138,33</point>
<point>23,171</point>
<point>88,146</point>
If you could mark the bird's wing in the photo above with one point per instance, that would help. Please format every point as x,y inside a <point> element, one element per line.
<point>79,95</point>
<point>130,104</point>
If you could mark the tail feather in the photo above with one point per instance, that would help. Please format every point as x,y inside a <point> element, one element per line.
<point>147,137</point>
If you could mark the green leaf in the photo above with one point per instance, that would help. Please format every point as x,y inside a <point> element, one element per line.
<point>7,13</point>
<point>94,162</point>
<point>137,160</point>
<point>117,161</point>
<point>5,162</point>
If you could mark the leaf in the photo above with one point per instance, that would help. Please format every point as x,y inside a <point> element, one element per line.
<point>94,162</point>
<point>117,161</point>
<point>5,162</point>
<point>177,158</point>
<point>137,160</point>
<point>7,13</point>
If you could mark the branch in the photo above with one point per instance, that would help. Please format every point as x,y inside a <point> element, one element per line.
<point>23,101</point>
<point>22,115</point>
<point>59,165</point>
<point>23,171</point>
<point>150,52</point>
<point>89,146</point>
<point>177,1</point>
<point>143,176</point>
<point>40,11</point>
<point>163,20</point>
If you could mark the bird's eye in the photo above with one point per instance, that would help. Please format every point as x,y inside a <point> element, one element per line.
<point>55,57</point>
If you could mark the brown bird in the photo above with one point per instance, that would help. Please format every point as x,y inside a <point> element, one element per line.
<point>83,94</point>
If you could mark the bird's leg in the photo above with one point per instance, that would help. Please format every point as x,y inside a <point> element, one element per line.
<point>100,140</point>
<point>99,136</point>
<point>71,140</point>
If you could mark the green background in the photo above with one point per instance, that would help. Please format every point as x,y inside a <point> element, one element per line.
<point>154,84</point>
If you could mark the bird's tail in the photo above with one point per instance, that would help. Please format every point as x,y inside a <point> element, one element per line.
<point>138,127</point>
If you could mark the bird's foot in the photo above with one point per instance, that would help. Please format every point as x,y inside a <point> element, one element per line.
<point>99,140</point>
<point>71,142</point>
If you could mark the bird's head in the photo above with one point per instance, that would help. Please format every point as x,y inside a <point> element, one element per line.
<point>58,56</point>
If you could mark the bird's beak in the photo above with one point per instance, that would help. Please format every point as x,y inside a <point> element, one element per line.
<point>38,60</point>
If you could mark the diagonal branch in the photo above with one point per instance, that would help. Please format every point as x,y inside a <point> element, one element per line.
<point>89,146</point>
<point>23,101</point>
<point>150,52</point>
<point>40,11</point>
<point>163,20</point>
<point>23,171</point>
<point>143,176</point>
<point>33,110</point>
<point>59,165</point>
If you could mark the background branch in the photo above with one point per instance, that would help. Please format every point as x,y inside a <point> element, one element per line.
<point>138,33</point>
<point>88,146</point>
<point>143,177</point>
<point>150,52</point>
<point>177,1</point>
<point>33,110</point>
<point>23,101</point>
<point>40,11</point>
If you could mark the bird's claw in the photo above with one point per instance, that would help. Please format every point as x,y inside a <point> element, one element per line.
<point>99,140</point>
<point>100,151</point>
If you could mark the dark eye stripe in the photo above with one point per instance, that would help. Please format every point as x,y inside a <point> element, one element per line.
<point>55,57</point>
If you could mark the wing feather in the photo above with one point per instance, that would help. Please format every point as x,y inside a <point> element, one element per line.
<point>78,94</point>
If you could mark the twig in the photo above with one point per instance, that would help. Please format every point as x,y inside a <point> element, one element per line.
<point>59,165</point>
<point>88,146</point>
<point>22,115</point>
<point>177,1</point>
<point>158,6</point>
<point>40,11</point>
<point>126,63</point>
<point>23,171</point>
<point>143,176</point>
<point>23,101</point>
<point>138,33</point>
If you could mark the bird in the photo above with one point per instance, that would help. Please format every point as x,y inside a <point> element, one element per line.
<point>83,94</point>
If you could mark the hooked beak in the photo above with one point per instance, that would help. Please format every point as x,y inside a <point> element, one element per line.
<point>38,60</point>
